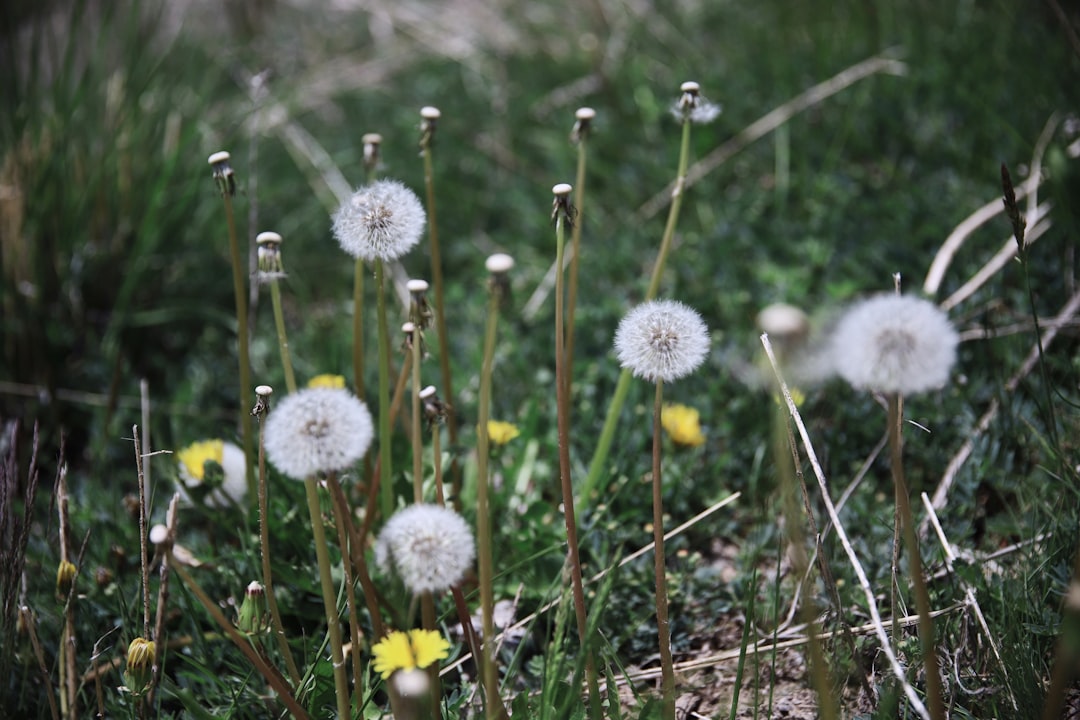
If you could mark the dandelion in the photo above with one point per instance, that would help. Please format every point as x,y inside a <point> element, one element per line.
<point>500,432</point>
<point>894,344</point>
<point>317,430</point>
<point>382,221</point>
<point>65,577</point>
<point>138,675</point>
<point>683,424</point>
<point>416,649</point>
<point>692,106</point>
<point>428,546</point>
<point>269,257</point>
<point>226,481</point>
<point>661,340</point>
<point>327,380</point>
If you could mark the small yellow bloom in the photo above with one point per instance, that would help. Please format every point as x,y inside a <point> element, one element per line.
<point>683,424</point>
<point>500,432</point>
<point>195,455</point>
<point>327,380</point>
<point>65,576</point>
<point>140,664</point>
<point>408,651</point>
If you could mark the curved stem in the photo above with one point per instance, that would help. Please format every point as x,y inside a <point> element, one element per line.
<point>607,434</point>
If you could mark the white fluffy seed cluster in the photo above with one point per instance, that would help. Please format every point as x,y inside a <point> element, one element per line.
<point>894,343</point>
<point>661,340</point>
<point>382,221</point>
<point>317,430</point>
<point>428,546</point>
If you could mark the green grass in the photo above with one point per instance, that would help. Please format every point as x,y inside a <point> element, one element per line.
<point>115,268</point>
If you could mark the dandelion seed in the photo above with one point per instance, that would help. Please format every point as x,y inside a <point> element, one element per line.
<point>382,221</point>
<point>416,649</point>
<point>317,430</point>
<point>683,424</point>
<point>500,432</point>
<point>430,547</point>
<point>226,482</point>
<point>893,343</point>
<point>661,340</point>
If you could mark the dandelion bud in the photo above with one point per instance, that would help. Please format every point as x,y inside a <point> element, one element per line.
<point>499,265</point>
<point>419,309</point>
<point>560,206</point>
<point>140,666</point>
<point>223,172</point>
<point>65,577</point>
<point>262,400</point>
<point>435,410</point>
<point>372,143</point>
<point>428,546</point>
<point>429,117</point>
<point>661,340</point>
<point>270,266</point>
<point>253,618</point>
<point>583,118</point>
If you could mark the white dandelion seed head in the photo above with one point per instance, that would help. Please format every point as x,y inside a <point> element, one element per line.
<point>428,546</point>
<point>383,221</point>
<point>661,340</point>
<point>894,343</point>
<point>317,430</point>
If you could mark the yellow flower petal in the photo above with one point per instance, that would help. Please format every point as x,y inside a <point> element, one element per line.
<point>500,432</point>
<point>429,646</point>
<point>682,424</point>
<point>195,455</point>
<point>327,380</point>
<point>394,652</point>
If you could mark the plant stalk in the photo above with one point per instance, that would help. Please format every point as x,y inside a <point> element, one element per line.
<point>663,625</point>
<point>386,489</point>
<point>242,342</point>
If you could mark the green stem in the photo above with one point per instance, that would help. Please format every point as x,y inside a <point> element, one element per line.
<point>358,328</point>
<point>607,435</point>
<point>241,343</point>
<point>343,522</point>
<point>268,576</point>
<point>417,437</point>
<point>562,392</point>
<point>440,312</point>
<point>663,625</point>
<point>283,339</point>
<point>483,516</point>
<point>935,697</point>
<point>386,490</point>
<point>337,656</point>
<point>575,245</point>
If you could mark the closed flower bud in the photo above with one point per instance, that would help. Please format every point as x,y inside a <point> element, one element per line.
<point>65,577</point>
<point>140,666</point>
<point>253,618</point>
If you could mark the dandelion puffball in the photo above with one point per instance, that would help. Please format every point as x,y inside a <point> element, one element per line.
<point>429,547</point>
<point>661,340</point>
<point>382,221</point>
<point>894,343</point>
<point>322,429</point>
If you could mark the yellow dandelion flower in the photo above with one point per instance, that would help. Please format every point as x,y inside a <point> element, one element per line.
<point>683,424</point>
<point>500,432</point>
<point>327,380</point>
<point>195,455</point>
<point>408,651</point>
